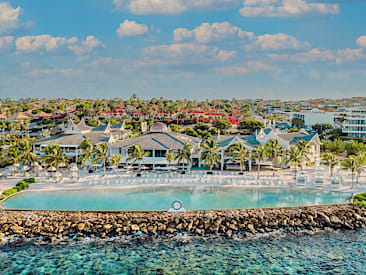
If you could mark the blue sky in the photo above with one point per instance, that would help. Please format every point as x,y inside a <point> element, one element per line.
<point>196,49</point>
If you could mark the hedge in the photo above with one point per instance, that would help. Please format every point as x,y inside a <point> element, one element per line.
<point>9,192</point>
<point>30,180</point>
<point>360,199</point>
<point>21,185</point>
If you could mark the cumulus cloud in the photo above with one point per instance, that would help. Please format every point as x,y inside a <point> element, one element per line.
<point>218,31</point>
<point>285,8</point>
<point>279,41</point>
<point>181,51</point>
<point>9,18</point>
<point>49,43</point>
<point>6,41</point>
<point>131,28</point>
<point>248,67</point>
<point>88,45</point>
<point>225,55</point>
<point>361,41</point>
<point>317,55</point>
<point>169,6</point>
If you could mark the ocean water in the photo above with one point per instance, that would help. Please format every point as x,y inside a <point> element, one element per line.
<point>341,252</point>
<point>160,198</point>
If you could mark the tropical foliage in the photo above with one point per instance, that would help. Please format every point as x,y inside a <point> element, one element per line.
<point>210,154</point>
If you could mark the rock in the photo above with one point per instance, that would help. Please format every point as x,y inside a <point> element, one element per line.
<point>135,227</point>
<point>17,229</point>
<point>251,228</point>
<point>335,219</point>
<point>107,226</point>
<point>81,226</point>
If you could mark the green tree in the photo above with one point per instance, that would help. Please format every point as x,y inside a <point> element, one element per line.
<point>299,123</point>
<point>321,127</point>
<point>239,153</point>
<point>259,154</point>
<point>87,150</point>
<point>330,160</point>
<point>354,148</point>
<point>222,124</point>
<point>191,132</point>
<point>27,156</point>
<point>293,158</point>
<point>137,154</point>
<point>274,152</point>
<point>101,153</point>
<point>184,155</point>
<point>201,126</point>
<point>250,125</point>
<point>209,155</point>
<point>354,164</point>
<point>54,156</point>
<point>114,160</point>
<point>170,158</point>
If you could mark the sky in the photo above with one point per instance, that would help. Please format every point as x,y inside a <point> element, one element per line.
<point>176,49</point>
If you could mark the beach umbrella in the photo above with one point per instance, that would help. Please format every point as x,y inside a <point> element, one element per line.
<point>26,168</point>
<point>52,169</point>
<point>73,167</point>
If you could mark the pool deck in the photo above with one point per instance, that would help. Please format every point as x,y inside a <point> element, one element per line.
<point>282,179</point>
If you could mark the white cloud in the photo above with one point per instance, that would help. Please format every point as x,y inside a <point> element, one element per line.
<point>49,43</point>
<point>206,33</point>
<point>181,51</point>
<point>6,41</point>
<point>361,41</point>
<point>9,17</point>
<point>248,67</point>
<point>279,41</point>
<point>87,46</point>
<point>225,55</point>
<point>168,6</point>
<point>285,8</point>
<point>316,55</point>
<point>131,28</point>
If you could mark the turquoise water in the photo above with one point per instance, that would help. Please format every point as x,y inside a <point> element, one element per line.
<point>323,253</point>
<point>160,198</point>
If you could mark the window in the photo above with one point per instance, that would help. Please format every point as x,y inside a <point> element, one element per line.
<point>160,153</point>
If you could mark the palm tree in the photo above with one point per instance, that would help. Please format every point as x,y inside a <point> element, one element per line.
<point>274,152</point>
<point>14,155</point>
<point>355,164</point>
<point>304,151</point>
<point>100,153</point>
<point>87,149</point>
<point>210,156</point>
<point>137,154</point>
<point>184,154</point>
<point>259,154</point>
<point>330,160</point>
<point>170,158</point>
<point>53,156</point>
<point>27,156</point>
<point>293,157</point>
<point>239,153</point>
<point>115,160</point>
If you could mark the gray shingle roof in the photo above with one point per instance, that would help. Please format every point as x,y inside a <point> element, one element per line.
<point>75,139</point>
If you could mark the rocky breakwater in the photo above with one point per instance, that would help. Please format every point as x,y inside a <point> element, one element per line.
<point>52,225</point>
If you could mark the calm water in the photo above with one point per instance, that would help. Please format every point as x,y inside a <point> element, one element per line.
<point>160,198</point>
<point>323,253</point>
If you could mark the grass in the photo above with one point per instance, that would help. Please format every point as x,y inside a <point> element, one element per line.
<point>21,185</point>
<point>360,199</point>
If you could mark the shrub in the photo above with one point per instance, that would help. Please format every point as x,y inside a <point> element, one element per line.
<point>9,192</point>
<point>21,185</point>
<point>30,180</point>
<point>360,199</point>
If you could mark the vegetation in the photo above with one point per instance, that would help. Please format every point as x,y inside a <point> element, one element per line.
<point>239,153</point>
<point>360,199</point>
<point>137,154</point>
<point>250,125</point>
<point>330,160</point>
<point>54,156</point>
<point>209,155</point>
<point>21,185</point>
<point>259,154</point>
<point>274,152</point>
<point>101,154</point>
<point>184,156</point>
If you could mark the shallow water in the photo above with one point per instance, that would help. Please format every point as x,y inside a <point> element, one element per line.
<point>336,253</point>
<point>160,198</point>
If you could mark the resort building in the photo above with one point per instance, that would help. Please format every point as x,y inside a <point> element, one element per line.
<point>225,142</point>
<point>158,141</point>
<point>354,123</point>
<point>74,134</point>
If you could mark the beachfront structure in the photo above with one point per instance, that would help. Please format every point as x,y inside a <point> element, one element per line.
<point>312,117</point>
<point>74,134</point>
<point>354,123</point>
<point>262,137</point>
<point>158,141</point>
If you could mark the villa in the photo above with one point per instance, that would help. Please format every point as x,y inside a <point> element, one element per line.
<point>74,134</point>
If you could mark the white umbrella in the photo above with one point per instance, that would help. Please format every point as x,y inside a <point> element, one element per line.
<point>73,168</point>
<point>26,168</point>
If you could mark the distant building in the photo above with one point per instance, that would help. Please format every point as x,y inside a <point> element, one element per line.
<point>313,117</point>
<point>354,123</point>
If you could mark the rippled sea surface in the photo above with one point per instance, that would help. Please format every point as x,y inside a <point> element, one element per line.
<point>322,253</point>
<point>160,198</point>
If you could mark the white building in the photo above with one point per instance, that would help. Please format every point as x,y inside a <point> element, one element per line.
<point>354,124</point>
<point>313,117</point>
